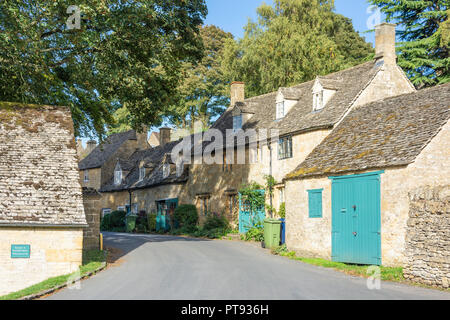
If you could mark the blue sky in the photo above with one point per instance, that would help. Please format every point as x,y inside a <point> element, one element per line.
<point>232,15</point>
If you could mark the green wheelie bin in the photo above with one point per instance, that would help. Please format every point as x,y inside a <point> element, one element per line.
<point>272,233</point>
<point>131,222</point>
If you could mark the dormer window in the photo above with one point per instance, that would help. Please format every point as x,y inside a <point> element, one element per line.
<point>237,123</point>
<point>318,100</point>
<point>141,173</point>
<point>118,176</point>
<point>166,170</point>
<point>281,110</point>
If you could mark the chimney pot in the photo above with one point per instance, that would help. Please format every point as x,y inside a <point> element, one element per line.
<point>90,146</point>
<point>385,43</point>
<point>237,92</point>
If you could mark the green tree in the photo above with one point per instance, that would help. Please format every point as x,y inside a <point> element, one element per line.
<point>125,54</point>
<point>424,29</point>
<point>203,92</point>
<point>292,42</point>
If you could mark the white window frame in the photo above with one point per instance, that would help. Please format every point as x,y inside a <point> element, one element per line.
<point>135,208</point>
<point>318,100</point>
<point>118,177</point>
<point>237,125</point>
<point>141,173</point>
<point>166,170</point>
<point>281,195</point>
<point>122,208</point>
<point>281,110</point>
<point>86,175</point>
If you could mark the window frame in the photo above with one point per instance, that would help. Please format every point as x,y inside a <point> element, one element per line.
<point>285,148</point>
<point>280,109</point>
<point>237,127</point>
<point>141,173</point>
<point>118,178</point>
<point>86,176</point>
<point>106,211</point>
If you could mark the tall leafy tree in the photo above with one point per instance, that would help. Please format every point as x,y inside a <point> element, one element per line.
<point>424,29</point>
<point>125,54</point>
<point>292,42</point>
<point>203,92</point>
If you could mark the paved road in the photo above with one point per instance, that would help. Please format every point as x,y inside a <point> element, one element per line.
<point>164,267</point>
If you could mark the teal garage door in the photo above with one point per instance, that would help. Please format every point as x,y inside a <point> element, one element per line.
<point>356,220</point>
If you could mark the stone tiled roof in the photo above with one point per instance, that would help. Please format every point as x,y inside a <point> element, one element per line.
<point>386,133</point>
<point>39,179</point>
<point>349,84</point>
<point>153,159</point>
<point>105,150</point>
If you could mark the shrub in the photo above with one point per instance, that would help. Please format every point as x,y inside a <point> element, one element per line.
<point>282,211</point>
<point>186,215</point>
<point>105,224</point>
<point>151,222</point>
<point>256,234</point>
<point>118,219</point>
<point>280,250</point>
<point>215,222</point>
<point>141,222</point>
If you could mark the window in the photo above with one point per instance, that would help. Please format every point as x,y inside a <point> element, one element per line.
<point>281,110</point>
<point>121,208</point>
<point>141,173</point>
<point>318,100</point>
<point>237,123</point>
<point>315,203</point>
<point>166,170</point>
<point>285,148</point>
<point>281,194</point>
<point>86,175</point>
<point>117,177</point>
<point>105,212</point>
<point>135,208</point>
<point>204,206</point>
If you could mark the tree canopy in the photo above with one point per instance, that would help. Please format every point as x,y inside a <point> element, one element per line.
<point>125,54</point>
<point>203,91</point>
<point>292,42</point>
<point>425,31</point>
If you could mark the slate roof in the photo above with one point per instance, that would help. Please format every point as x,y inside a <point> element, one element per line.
<point>39,178</point>
<point>385,133</point>
<point>102,152</point>
<point>154,159</point>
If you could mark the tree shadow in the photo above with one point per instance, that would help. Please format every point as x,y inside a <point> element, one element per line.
<point>120,244</point>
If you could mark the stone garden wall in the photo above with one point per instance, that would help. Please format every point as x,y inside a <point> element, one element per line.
<point>428,237</point>
<point>92,210</point>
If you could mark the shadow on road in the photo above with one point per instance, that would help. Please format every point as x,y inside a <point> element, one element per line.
<point>120,244</point>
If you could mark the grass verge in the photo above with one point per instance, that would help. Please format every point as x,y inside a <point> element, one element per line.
<point>92,261</point>
<point>387,273</point>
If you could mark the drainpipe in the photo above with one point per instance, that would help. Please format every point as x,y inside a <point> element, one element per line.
<point>130,193</point>
<point>270,173</point>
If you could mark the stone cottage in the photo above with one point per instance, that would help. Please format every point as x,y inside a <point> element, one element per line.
<point>98,167</point>
<point>349,200</point>
<point>148,181</point>
<point>41,206</point>
<point>303,115</point>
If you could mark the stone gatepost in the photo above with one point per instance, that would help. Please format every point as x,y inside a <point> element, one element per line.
<point>91,234</point>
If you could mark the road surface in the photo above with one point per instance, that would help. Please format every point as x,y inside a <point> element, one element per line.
<point>166,268</point>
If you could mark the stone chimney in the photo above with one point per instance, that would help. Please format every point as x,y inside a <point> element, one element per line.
<point>385,43</point>
<point>142,139</point>
<point>164,136</point>
<point>237,92</point>
<point>91,145</point>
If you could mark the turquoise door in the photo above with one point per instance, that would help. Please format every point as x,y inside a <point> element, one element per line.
<point>356,220</point>
<point>165,211</point>
<point>249,218</point>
